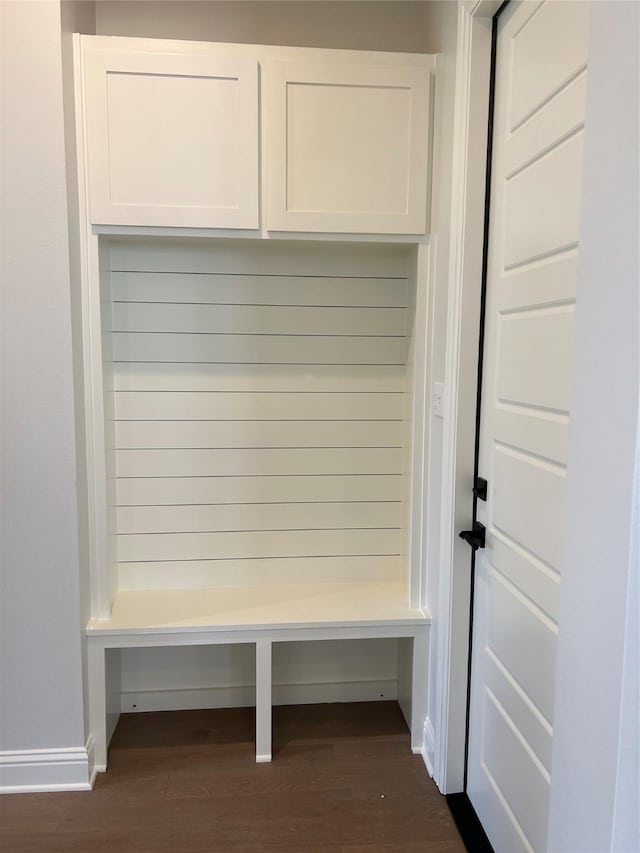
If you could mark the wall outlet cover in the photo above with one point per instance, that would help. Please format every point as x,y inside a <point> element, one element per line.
<point>437,399</point>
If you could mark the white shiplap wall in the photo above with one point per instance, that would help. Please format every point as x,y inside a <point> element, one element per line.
<point>258,403</point>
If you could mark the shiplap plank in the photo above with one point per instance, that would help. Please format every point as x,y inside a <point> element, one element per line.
<point>258,289</point>
<point>257,543</point>
<point>261,349</point>
<point>229,406</point>
<point>258,412</point>
<point>159,491</point>
<point>218,434</point>
<point>203,519</point>
<point>257,320</point>
<point>262,462</point>
<point>258,377</point>
<point>259,258</point>
<point>202,574</point>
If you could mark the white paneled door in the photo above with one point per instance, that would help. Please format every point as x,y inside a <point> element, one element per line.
<point>532,265</point>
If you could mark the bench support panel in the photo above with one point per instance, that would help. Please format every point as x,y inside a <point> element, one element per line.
<point>263,701</point>
<point>103,658</point>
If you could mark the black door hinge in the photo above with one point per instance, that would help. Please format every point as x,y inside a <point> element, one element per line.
<point>476,537</point>
<point>480,489</point>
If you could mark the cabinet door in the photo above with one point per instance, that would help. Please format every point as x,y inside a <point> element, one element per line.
<point>346,147</point>
<point>172,140</point>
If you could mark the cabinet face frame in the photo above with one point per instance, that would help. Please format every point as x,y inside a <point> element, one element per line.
<point>414,80</point>
<point>241,72</point>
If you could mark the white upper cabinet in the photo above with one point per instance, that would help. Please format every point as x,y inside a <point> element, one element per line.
<point>176,135</point>
<point>172,139</point>
<point>346,147</point>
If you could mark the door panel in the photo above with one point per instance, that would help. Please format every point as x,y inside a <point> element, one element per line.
<point>516,771</point>
<point>561,116</point>
<point>536,580</point>
<point>551,280</point>
<point>548,45</point>
<point>517,707</point>
<point>543,193</point>
<point>517,625</point>
<point>530,374</point>
<point>532,266</point>
<point>545,436</point>
<point>528,497</point>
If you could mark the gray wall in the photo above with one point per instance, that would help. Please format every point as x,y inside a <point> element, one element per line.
<point>360,25</point>
<point>40,651</point>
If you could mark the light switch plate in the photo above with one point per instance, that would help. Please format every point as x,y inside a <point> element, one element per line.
<point>437,399</point>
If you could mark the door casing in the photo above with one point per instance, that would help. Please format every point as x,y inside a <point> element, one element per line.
<point>471,109</point>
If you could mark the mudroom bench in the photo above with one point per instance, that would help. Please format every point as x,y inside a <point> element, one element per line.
<point>259,616</point>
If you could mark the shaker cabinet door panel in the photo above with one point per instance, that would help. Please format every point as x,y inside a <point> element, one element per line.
<point>172,139</point>
<point>346,147</point>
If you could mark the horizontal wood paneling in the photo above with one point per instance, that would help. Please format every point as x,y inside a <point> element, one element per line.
<point>257,319</point>
<point>335,260</point>
<point>250,349</point>
<point>162,491</point>
<point>199,574</point>
<point>284,516</point>
<point>258,412</point>
<point>260,462</point>
<point>336,378</point>
<point>242,434</point>
<point>257,543</point>
<point>239,289</point>
<point>231,406</point>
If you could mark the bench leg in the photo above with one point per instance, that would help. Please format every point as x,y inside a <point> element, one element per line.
<point>419,689</point>
<point>263,701</point>
<point>97,703</point>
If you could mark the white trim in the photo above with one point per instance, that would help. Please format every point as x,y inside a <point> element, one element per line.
<point>428,750</point>
<point>91,756</point>
<point>256,234</point>
<point>244,695</point>
<point>420,416</point>
<point>101,592</point>
<point>39,770</point>
<point>264,52</point>
<point>473,52</point>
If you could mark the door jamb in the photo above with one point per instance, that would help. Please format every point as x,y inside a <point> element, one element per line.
<point>472,93</point>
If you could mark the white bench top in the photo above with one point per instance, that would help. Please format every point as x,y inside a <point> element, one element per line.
<point>269,606</point>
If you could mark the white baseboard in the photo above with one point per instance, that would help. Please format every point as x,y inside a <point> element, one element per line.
<point>187,699</point>
<point>40,770</point>
<point>310,693</point>
<point>91,756</point>
<point>429,746</point>
<point>244,695</point>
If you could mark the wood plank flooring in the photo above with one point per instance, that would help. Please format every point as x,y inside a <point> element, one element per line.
<point>343,780</point>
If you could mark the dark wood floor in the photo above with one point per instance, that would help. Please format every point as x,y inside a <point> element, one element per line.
<point>343,780</point>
